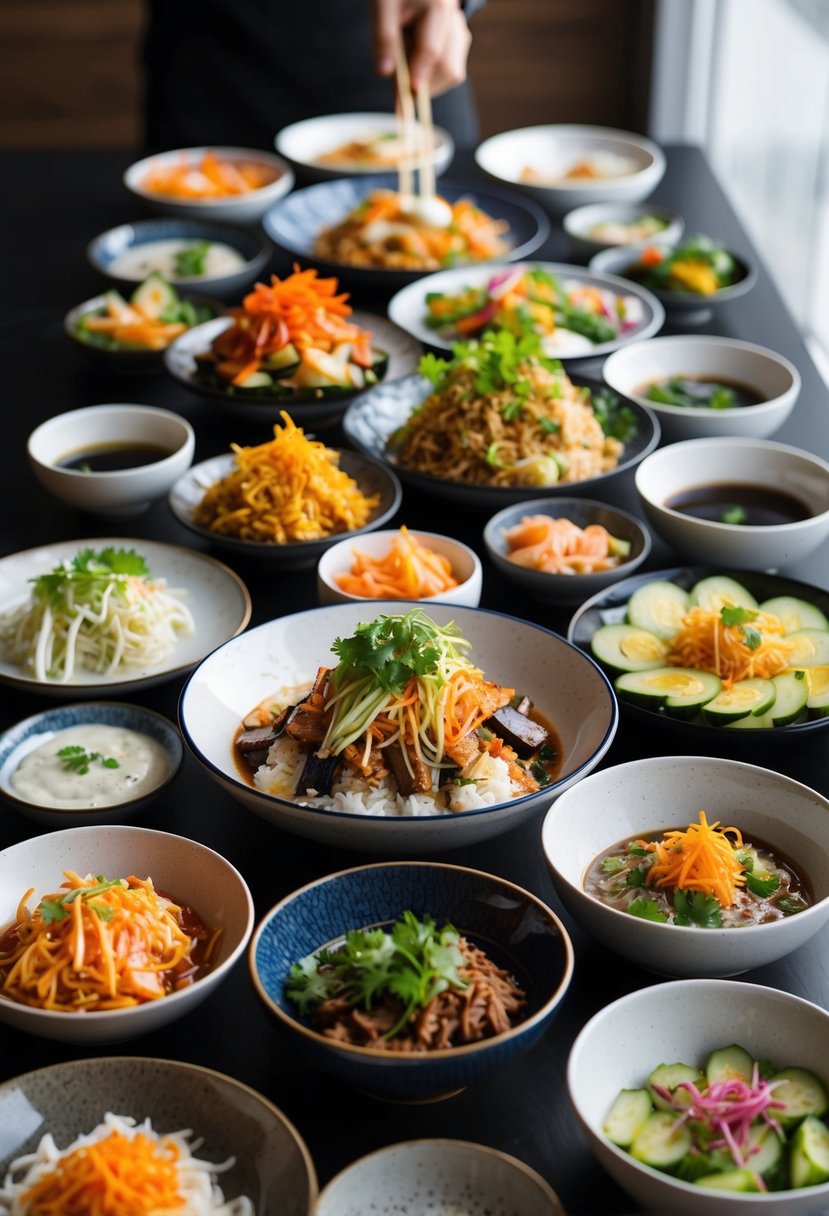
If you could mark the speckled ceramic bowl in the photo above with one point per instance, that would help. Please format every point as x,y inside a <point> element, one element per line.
<point>632,800</point>
<point>438,1175</point>
<point>566,686</point>
<point>189,872</point>
<point>39,729</point>
<point>272,1165</point>
<point>517,930</point>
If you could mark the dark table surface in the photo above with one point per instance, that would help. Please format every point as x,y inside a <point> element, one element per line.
<point>62,200</point>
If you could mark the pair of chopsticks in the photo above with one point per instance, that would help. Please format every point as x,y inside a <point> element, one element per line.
<point>416,129</point>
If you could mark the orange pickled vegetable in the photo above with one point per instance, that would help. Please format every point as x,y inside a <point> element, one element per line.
<point>558,546</point>
<point>211,177</point>
<point>409,571</point>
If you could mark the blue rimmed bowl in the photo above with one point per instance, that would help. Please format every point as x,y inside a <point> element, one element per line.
<point>516,929</point>
<point>39,729</point>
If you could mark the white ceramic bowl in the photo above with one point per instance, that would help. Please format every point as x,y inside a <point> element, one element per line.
<point>776,381</point>
<point>635,165</point>
<point>684,1021</point>
<point>631,800</point>
<point>438,1175</point>
<point>566,588</point>
<point>730,460</point>
<point>189,872</point>
<point>565,685</point>
<point>579,222</point>
<point>466,567</point>
<point>241,208</point>
<point>121,492</point>
<point>303,143</point>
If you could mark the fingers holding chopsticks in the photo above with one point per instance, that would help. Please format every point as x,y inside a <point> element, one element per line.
<point>438,39</point>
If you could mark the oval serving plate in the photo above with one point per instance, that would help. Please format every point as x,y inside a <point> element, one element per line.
<point>218,599</point>
<point>258,406</point>
<point>294,224</point>
<point>408,307</point>
<point>608,607</point>
<point>372,477</point>
<point>375,415</point>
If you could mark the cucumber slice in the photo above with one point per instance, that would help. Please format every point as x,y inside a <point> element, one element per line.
<point>256,380</point>
<point>817,703</point>
<point>792,688</point>
<point>669,1076</point>
<point>750,722</point>
<point>627,1115</point>
<point>626,648</point>
<point>658,607</point>
<point>809,1160</point>
<point>720,591</point>
<point>283,361</point>
<point>660,1142</point>
<point>802,1094</point>
<point>154,296</point>
<point>808,648</point>
<point>680,690</point>
<point>729,1064</point>
<point>730,1180</point>
<point>794,613</point>
<point>765,1155</point>
<point>753,696</point>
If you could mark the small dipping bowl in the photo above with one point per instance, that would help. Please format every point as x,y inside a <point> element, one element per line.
<point>111,430</point>
<point>579,223</point>
<point>466,567</point>
<point>237,208</point>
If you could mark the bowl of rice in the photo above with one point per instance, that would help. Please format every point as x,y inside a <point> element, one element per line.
<point>255,712</point>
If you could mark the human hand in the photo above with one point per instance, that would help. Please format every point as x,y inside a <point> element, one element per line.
<point>439,41</point>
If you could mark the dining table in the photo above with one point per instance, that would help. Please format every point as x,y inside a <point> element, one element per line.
<point>60,201</point>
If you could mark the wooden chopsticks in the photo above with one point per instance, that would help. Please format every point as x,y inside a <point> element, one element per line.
<point>416,130</point>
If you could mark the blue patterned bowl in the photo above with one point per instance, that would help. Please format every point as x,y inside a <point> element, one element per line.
<point>516,929</point>
<point>32,732</point>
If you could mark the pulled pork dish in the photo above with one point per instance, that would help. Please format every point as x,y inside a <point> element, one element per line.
<point>404,724</point>
<point>411,988</point>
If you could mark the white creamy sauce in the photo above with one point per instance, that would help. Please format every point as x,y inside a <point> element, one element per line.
<point>138,261</point>
<point>565,342</point>
<point>42,776</point>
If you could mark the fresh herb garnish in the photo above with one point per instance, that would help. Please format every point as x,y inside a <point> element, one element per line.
<point>752,638</point>
<point>540,773</point>
<point>52,910</point>
<point>762,884</point>
<point>733,514</point>
<point>77,759</point>
<point>612,865</point>
<point>647,909</point>
<point>392,649</point>
<point>697,908</point>
<point>636,876</point>
<point>93,567</point>
<point>737,616</point>
<point>617,420</point>
<point>190,261</point>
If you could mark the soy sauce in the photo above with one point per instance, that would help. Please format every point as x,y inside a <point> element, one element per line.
<point>112,457</point>
<point>739,502</point>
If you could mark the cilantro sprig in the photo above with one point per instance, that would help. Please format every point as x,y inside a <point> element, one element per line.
<point>392,649</point>
<point>190,260</point>
<point>751,637</point>
<point>411,964</point>
<point>77,759</point>
<point>57,908</point>
<point>89,568</point>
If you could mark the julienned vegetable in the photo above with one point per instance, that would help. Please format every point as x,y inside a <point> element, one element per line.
<point>154,316</point>
<point>736,1124</point>
<point>558,546</point>
<point>699,265</point>
<point>716,655</point>
<point>409,570</point>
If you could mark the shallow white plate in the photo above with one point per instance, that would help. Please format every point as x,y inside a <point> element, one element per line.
<point>218,599</point>
<point>408,307</point>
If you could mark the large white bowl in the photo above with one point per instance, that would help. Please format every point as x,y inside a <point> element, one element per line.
<point>730,460</point>
<point>121,492</point>
<point>187,871</point>
<point>466,567</point>
<point>684,1021</point>
<point>631,800</point>
<point>302,143</point>
<point>635,368</point>
<point>554,148</point>
<point>565,685</point>
<point>241,208</point>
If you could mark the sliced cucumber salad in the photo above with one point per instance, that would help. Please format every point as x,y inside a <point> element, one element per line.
<point>716,655</point>
<point>734,1124</point>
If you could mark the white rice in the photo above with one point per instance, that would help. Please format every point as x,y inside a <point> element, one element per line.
<point>279,776</point>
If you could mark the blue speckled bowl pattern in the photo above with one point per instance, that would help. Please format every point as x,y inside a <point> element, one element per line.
<point>515,927</point>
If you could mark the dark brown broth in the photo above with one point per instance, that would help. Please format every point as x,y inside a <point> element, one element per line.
<point>762,506</point>
<point>701,388</point>
<point>111,457</point>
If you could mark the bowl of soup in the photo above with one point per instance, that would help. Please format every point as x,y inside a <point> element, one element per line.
<point>747,504</point>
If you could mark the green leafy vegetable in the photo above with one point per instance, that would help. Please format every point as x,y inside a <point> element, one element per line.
<point>612,865</point>
<point>733,514</point>
<point>190,261</point>
<point>737,616</point>
<point>89,569</point>
<point>615,417</point>
<point>53,910</point>
<point>392,649</point>
<point>647,909</point>
<point>697,908</point>
<point>762,884</point>
<point>77,760</point>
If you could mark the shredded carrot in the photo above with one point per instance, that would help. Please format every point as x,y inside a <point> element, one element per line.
<point>117,1176</point>
<point>289,489</point>
<point>705,643</point>
<point>211,177</point>
<point>467,705</point>
<point>703,857</point>
<point>408,571</point>
<point>558,546</point>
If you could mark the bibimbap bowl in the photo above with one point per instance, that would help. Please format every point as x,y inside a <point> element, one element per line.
<point>282,657</point>
<point>517,931</point>
<point>635,800</point>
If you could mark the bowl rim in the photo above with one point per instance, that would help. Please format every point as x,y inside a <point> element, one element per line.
<point>183,1066</point>
<point>570,221</point>
<point>123,410</point>
<point>133,228</point>
<point>173,747</point>
<point>463,550</point>
<point>283,182</point>
<point>738,989</point>
<point>613,135</point>
<point>450,1143</point>
<point>714,526</point>
<point>226,778</point>
<point>443,148</point>
<point>99,1017</point>
<point>620,917</point>
<point>717,343</point>
<point>405,1059</point>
